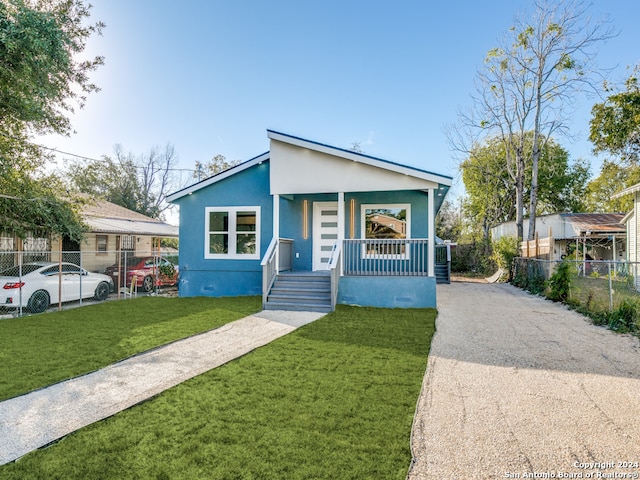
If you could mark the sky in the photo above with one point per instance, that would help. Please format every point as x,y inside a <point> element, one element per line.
<point>211,76</point>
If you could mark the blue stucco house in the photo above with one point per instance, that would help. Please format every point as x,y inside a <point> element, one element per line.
<point>307,225</point>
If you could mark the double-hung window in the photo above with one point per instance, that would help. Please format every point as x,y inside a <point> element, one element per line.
<point>232,232</point>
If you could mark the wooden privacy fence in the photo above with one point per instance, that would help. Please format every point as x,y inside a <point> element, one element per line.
<point>538,247</point>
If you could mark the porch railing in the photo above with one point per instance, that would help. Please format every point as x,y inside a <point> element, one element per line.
<point>269,269</point>
<point>277,258</point>
<point>285,254</point>
<point>381,257</point>
<point>334,268</point>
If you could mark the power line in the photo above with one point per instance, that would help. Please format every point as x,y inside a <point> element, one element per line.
<point>84,157</point>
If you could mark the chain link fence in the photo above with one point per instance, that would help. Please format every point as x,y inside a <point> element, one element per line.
<point>34,281</point>
<point>606,290</point>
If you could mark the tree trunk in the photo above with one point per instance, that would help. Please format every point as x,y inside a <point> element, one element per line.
<point>520,191</point>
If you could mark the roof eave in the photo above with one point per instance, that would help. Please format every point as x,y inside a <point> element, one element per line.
<point>217,177</point>
<point>626,191</point>
<point>360,157</point>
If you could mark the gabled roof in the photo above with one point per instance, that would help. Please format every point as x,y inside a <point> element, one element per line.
<point>443,181</point>
<point>218,177</point>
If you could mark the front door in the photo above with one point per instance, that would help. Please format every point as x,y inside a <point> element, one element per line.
<point>325,232</point>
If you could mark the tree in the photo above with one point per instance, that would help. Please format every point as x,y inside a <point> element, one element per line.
<point>613,178</point>
<point>216,165</point>
<point>491,191</point>
<point>139,183</point>
<point>529,84</point>
<point>615,123</point>
<point>448,222</point>
<point>41,80</point>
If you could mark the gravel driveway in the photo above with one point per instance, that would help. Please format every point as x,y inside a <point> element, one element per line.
<point>520,387</point>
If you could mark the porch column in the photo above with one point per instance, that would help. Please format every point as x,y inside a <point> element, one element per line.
<point>432,233</point>
<point>276,227</point>
<point>341,217</point>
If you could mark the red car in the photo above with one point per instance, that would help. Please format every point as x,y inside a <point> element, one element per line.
<point>149,272</point>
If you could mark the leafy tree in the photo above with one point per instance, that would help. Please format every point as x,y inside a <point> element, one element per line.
<point>40,75</point>
<point>613,178</point>
<point>528,84</point>
<point>615,123</point>
<point>35,207</point>
<point>216,165</point>
<point>41,81</point>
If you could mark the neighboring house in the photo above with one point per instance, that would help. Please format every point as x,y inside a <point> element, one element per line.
<point>603,234</point>
<point>312,210</point>
<point>112,229</point>
<point>631,220</point>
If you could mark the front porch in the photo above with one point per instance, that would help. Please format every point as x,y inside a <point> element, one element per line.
<point>383,273</point>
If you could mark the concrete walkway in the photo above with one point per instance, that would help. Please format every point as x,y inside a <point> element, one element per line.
<point>521,387</point>
<point>36,419</point>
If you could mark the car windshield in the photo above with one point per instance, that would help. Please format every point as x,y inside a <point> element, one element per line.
<point>15,271</point>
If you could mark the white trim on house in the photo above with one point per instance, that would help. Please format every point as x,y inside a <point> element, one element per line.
<point>359,158</point>
<point>232,233</point>
<point>218,177</point>
<point>372,173</point>
<point>626,191</point>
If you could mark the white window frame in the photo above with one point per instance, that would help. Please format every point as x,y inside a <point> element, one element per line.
<point>363,229</point>
<point>233,233</point>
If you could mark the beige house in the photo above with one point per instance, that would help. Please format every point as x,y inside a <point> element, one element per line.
<point>112,229</point>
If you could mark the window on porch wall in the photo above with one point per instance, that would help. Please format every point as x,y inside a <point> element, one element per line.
<point>386,223</point>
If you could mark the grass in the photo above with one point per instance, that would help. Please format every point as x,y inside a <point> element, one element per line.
<point>334,399</point>
<point>594,292</point>
<point>43,349</point>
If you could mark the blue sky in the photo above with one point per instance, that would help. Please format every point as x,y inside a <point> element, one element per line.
<point>210,76</point>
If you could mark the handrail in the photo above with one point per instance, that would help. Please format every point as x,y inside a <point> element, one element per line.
<point>334,267</point>
<point>271,249</point>
<point>269,269</point>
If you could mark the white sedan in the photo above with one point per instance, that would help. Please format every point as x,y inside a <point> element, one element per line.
<point>37,285</point>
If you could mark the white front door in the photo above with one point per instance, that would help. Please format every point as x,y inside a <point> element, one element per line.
<point>325,232</point>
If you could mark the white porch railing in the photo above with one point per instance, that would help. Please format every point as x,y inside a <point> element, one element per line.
<point>386,257</point>
<point>269,269</point>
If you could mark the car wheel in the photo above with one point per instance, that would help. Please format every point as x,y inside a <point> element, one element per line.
<point>38,302</point>
<point>102,291</point>
<point>147,284</point>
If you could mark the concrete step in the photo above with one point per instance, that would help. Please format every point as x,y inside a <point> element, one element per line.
<point>298,307</point>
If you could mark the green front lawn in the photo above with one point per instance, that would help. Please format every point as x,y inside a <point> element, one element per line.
<point>333,400</point>
<point>50,347</point>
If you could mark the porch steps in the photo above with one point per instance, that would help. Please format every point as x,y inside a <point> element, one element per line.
<point>300,291</point>
<point>442,273</point>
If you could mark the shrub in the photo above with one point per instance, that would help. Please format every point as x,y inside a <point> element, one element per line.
<point>505,249</point>
<point>625,317</point>
<point>560,283</point>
